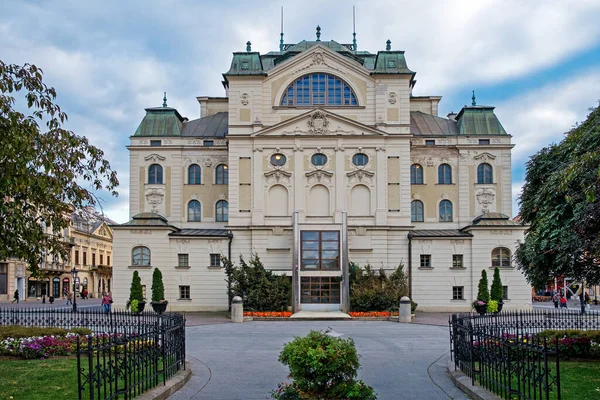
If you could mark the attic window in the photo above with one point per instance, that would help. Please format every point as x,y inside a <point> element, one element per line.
<point>319,89</point>
<point>429,142</point>
<point>484,141</point>
<point>155,143</point>
<point>209,143</point>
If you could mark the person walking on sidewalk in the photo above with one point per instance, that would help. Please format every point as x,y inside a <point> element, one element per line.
<point>69,299</point>
<point>106,302</point>
<point>16,296</point>
<point>556,299</point>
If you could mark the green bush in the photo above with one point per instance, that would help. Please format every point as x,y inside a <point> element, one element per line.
<point>492,306</point>
<point>261,290</point>
<point>483,292</point>
<point>81,331</point>
<point>375,291</point>
<point>158,288</point>
<point>322,367</point>
<point>496,292</point>
<point>17,331</point>
<point>573,342</point>
<point>135,292</point>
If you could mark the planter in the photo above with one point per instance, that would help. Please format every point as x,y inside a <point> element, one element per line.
<point>141,305</point>
<point>500,304</point>
<point>481,309</point>
<point>159,308</point>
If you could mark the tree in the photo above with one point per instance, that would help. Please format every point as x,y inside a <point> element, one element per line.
<point>561,204</point>
<point>483,292</point>
<point>136,293</point>
<point>158,288</point>
<point>496,292</point>
<point>44,169</point>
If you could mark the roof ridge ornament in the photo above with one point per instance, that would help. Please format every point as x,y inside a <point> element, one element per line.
<point>248,46</point>
<point>318,33</point>
<point>165,100</point>
<point>388,45</point>
<point>473,102</point>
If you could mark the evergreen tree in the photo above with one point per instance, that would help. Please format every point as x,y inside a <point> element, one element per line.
<point>135,293</point>
<point>496,292</point>
<point>158,289</point>
<point>483,292</point>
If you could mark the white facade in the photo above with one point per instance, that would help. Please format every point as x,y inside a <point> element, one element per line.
<point>347,151</point>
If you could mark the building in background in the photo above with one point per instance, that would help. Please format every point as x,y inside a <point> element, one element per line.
<point>320,154</point>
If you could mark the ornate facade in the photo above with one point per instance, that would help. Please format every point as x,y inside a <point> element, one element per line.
<point>318,155</point>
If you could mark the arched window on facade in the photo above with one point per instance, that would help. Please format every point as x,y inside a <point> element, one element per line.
<point>416,174</point>
<point>445,174</point>
<point>140,256</point>
<point>416,211</point>
<point>501,257</point>
<point>222,175</point>
<point>222,209</point>
<point>155,174</point>
<point>194,211</point>
<point>194,175</point>
<point>445,211</point>
<point>318,89</point>
<point>485,173</point>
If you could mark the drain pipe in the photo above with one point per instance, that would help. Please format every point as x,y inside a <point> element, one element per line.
<point>230,236</point>
<point>410,266</point>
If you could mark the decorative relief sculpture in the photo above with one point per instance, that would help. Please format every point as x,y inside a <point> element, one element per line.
<point>154,157</point>
<point>141,232</point>
<point>154,197</point>
<point>244,99</point>
<point>318,124</point>
<point>429,162</point>
<point>361,176</point>
<point>318,60</point>
<point>485,157</point>
<point>182,241</point>
<point>278,176</point>
<point>485,197</point>
<point>319,177</point>
<point>392,97</point>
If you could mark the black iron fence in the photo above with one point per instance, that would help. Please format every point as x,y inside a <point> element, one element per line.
<point>126,355</point>
<point>503,354</point>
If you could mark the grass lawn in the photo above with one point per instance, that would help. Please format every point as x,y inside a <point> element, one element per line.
<point>54,378</point>
<point>579,380</point>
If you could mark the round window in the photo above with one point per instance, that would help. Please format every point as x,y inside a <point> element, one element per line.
<point>360,159</point>
<point>318,159</point>
<point>278,160</point>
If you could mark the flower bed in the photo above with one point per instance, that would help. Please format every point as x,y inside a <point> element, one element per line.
<point>373,314</point>
<point>268,314</point>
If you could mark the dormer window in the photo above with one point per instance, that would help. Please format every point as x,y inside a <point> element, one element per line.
<point>319,89</point>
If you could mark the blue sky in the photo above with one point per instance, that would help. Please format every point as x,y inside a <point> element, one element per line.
<point>538,62</point>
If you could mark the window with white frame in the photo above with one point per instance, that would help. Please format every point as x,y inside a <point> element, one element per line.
<point>194,211</point>
<point>457,261</point>
<point>501,257</point>
<point>194,175</point>
<point>416,211</point>
<point>222,175</point>
<point>222,211</point>
<point>458,292</point>
<point>183,260</point>
<point>184,292</point>
<point>445,211</point>
<point>416,174</point>
<point>155,174</point>
<point>215,260</point>
<point>319,89</point>
<point>140,256</point>
<point>425,261</point>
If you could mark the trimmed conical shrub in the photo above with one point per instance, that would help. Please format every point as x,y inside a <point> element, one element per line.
<point>483,292</point>
<point>158,289</point>
<point>496,292</point>
<point>135,293</point>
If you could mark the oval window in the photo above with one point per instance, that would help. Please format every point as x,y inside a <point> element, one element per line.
<point>278,160</point>
<point>360,159</point>
<point>318,159</point>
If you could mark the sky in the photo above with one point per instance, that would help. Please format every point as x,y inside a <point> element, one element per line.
<point>537,62</point>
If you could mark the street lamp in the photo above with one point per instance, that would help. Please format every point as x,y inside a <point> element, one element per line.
<point>74,272</point>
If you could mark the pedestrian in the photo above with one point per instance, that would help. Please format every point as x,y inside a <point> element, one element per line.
<point>556,299</point>
<point>563,302</point>
<point>16,296</point>
<point>69,298</point>
<point>106,302</point>
<point>84,294</point>
<point>588,307</point>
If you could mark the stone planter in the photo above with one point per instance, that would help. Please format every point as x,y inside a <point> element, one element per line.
<point>141,306</point>
<point>481,309</point>
<point>159,308</point>
<point>500,304</point>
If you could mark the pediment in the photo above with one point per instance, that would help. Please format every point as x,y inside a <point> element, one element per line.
<point>103,230</point>
<point>484,157</point>
<point>319,122</point>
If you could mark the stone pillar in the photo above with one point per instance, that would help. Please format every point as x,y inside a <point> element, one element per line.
<point>404,314</point>
<point>237,309</point>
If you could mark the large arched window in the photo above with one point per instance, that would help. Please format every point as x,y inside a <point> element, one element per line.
<point>501,257</point>
<point>445,211</point>
<point>319,89</point>
<point>222,209</point>
<point>194,174</point>
<point>140,256</point>
<point>416,211</point>
<point>155,175</point>
<point>194,211</point>
<point>416,174</point>
<point>445,174</point>
<point>222,173</point>
<point>485,173</point>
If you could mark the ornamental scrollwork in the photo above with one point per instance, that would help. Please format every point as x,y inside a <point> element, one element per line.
<point>318,124</point>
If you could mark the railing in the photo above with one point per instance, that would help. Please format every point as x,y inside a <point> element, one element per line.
<point>128,353</point>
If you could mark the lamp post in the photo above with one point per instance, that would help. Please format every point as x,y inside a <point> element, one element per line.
<point>74,272</point>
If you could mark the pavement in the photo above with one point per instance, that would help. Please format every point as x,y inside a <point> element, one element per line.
<point>58,304</point>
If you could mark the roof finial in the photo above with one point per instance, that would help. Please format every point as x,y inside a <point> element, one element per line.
<point>281,39</point>
<point>388,45</point>
<point>318,33</point>
<point>248,46</point>
<point>354,28</point>
<point>473,102</point>
<point>165,100</point>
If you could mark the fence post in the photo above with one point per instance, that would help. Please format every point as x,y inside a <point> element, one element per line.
<point>237,310</point>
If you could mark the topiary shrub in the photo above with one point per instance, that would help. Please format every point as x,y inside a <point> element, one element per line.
<point>322,367</point>
<point>135,292</point>
<point>496,292</point>
<point>158,288</point>
<point>483,292</point>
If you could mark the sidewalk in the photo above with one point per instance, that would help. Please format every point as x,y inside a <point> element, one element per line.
<point>58,304</point>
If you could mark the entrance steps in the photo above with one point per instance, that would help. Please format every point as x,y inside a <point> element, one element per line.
<point>306,315</point>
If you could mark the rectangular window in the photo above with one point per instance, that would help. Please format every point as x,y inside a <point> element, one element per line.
<point>184,292</point>
<point>484,141</point>
<point>84,258</point>
<point>458,292</point>
<point>93,259</point>
<point>101,259</point>
<point>457,261</point>
<point>107,260</point>
<point>215,260</point>
<point>504,292</point>
<point>183,260</point>
<point>320,250</point>
<point>3,278</point>
<point>209,143</point>
<point>425,260</point>
<point>430,143</point>
<point>324,290</point>
<point>76,257</point>
<point>155,143</point>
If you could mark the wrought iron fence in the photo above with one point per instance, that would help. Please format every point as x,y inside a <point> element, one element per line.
<point>503,354</point>
<point>127,354</point>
